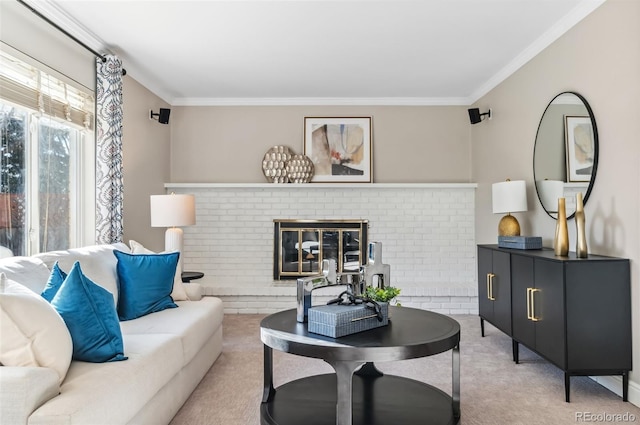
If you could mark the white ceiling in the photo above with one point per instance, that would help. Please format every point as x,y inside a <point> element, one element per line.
<point>420,52</point>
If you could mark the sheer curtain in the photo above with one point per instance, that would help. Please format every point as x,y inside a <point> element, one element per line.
<point>109,182</point>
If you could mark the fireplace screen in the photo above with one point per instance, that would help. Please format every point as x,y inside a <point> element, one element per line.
<point>301,245</point>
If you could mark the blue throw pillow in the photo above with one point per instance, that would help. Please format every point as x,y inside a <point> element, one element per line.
<point>90,314</point>
<point>146,282</point>
<point>56,278</point>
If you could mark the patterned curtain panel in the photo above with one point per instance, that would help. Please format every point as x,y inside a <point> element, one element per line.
<point>109,186</point>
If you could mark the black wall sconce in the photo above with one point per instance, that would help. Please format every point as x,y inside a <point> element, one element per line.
<point>163,115</point>
<point>475,116</point>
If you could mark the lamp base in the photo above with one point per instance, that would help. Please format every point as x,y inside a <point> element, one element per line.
<point>173,242</point>
<point>508,226</point>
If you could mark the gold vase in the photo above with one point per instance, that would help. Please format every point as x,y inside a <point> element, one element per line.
<point>581,238</point>
<point>561,241</point>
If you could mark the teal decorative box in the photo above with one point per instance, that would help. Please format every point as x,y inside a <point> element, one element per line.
<point>520,242</point>
<point>340,320</point>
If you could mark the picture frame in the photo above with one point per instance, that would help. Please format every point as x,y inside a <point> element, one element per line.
<point>340,149</point>
<point>579,148</point>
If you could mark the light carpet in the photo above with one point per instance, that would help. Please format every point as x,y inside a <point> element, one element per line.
<point>494,390</point>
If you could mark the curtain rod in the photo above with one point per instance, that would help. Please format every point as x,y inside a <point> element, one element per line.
<point>62,30</point>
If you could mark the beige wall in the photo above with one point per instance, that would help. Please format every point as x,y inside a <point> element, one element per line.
<point>145,161</point>
<point>227,144</point>
<point>600,59</point>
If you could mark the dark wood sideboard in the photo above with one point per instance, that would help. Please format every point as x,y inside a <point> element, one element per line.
<point>573,312</point>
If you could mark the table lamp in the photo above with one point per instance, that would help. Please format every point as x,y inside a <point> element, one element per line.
<point>509,197</point>
<point>173,211</point>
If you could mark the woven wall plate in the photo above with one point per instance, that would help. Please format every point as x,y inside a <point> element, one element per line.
<point>274,164</point>
<point>300,169</point>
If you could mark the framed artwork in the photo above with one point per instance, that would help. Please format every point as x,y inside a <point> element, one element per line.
<point>340,149</point>
<point>580,148</point>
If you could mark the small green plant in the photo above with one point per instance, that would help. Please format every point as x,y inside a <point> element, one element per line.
<point>382,295</point>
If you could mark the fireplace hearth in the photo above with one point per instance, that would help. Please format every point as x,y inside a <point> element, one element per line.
<point>300,246</point>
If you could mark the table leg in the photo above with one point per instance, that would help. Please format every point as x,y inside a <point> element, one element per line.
<point>268,391</point>
<point>455,390</point>
<point>344,377</point>
<point>369,370</point>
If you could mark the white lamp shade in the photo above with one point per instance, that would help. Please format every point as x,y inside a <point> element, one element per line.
<point>173,210</point>
<point>509,196</point>
<point>550,191</point>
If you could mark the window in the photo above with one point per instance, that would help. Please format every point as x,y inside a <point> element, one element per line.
<point>46,160</point>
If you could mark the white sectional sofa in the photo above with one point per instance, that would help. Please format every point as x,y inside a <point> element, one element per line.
<point>168,352</point>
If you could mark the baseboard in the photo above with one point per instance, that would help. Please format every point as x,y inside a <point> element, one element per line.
<point>614,384</point>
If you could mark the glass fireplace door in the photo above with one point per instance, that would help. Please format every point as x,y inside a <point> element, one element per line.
<point>300,246</point>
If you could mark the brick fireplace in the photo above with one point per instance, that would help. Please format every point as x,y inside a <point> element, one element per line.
<point>427,232</point>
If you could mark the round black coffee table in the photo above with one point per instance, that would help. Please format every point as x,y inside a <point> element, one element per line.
<point>358,393</point>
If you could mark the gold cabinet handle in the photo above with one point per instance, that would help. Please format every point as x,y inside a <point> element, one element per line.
<point>488,286</point>
<point>533,305</point>
<point>529,316</point>
<point>490,277</point>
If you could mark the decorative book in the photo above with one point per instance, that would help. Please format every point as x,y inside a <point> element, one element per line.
<point>340,320</point>
<point>520,242</point>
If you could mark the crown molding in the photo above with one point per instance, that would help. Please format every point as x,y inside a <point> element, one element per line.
<point>578,13</point>
<point>305,186</point>
<point>52,11</point>
<point>324,101</point>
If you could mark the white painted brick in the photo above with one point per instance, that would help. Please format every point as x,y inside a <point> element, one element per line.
<point>427,236</point>
<point>459,300</point>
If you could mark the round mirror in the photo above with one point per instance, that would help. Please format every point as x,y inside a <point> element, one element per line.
<point>565,157</point>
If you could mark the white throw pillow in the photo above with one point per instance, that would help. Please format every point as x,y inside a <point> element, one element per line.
<point>33,333</point>
<point>28,271</point>
<point>138,248</point>
<point>97,261</point>
<point>179,293</point>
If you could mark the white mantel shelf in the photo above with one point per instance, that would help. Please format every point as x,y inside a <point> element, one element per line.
<point>320,185</point>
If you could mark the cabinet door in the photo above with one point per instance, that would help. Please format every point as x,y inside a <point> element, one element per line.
<point>548,304</point>
<point>521,285</point>
<point>598,315</point>
<point>485,267</point>
<point>494,292</point>
<point>501,288</point>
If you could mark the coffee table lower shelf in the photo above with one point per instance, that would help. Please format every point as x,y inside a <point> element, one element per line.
<point>376,401</point>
